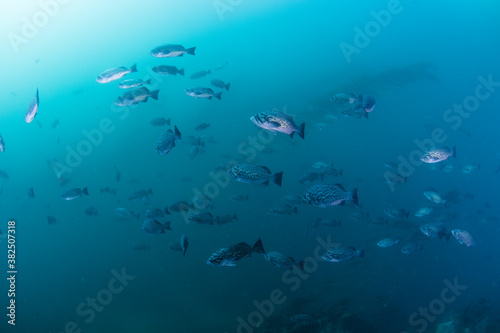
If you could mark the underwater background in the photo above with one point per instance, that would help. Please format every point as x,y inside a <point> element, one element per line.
<point>434,71</point>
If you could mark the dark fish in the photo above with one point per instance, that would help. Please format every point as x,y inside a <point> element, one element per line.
<point>125,213</point>
<point>195,147</point>
<point>202,218</point>
<point>31,193</point>
<point>154,213</point>
<point>108,190</point>
<point>200,74</point>
<point>463,237</point>
<point>439,154</point>
<point>397,213</point>
<point>251,174</point>
<point>435,230</point>
<point>2,144</point>
<point>160,121</point>
<point>391,178</point>
<point>32,109</point>
<point>118,175</point>
<point>133,83</point>
<point>412,247</point>
<point>238,197</point>
<point>344,98</point>
<point>293,199</point>
<point>220,84</point>
<point>179,206</point>
<point>227,256</point>
<point>51,219</point>
<point>138,195</point>
<point>74,193</point>
<point>167,140</point>
<point>55,123</point>
<point>135,96</point>
<point>309,177</point>
<point>325,195</point>
<point>4,174</point>
<point>184,244</point>
<point>276,121</point>
<point>218,68</point>
<point>202,126</point>
<point>153,227</point>
<point>171,50</point>
<point>282,210</point>
<point>168,70</point>
<point>91,211</point>
<point>201,92</point>
<point>115,74</point>
<point>224,219</point>
<point>342,253</point>
<point>281,260</point>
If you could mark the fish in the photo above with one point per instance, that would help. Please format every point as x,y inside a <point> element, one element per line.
<point>167,140</point>
<point>202,126</point>
<point>343,98</point>
<point>184,244</point>
<point>391,178</point>
<point>202,92</point>
<point>434,197</point>
<point>342,253</point>
<point>171,50</point>
<point>195,148</point>
<point>168,70</point>
<point>438,155</point>
<point>160,121</point>
<point>2,144</point>
<point>309,177</point>
<point>435,230</point>
<point>108,190</point>
<point>152,227</point>
<point>91,211</point>
<point>463,237</point>
<point>276,121</point>
<point>200,74</point>
<point>135,96</point>
<point>252,174</point>
<point>424,211</point>
<point>179,206</point>
<point>115,74</point>
<point>225,219</point>
<point>293,199</point>
<point>412,247</point>
<point>321,165</point>
<point>220,84</point>
<point>4,174</point>
<point>74,193</point>
<point>360,215</point>
<point>224,65</point>
<point>238,197</point>
<point>325,195</point>
<point>281,260</point>
<point>51,220</point>
<point>368,103</point>
<point>397,213</point>
<point>31,192</point>
<point>331,171</point>
<point>32,110</point>
<point>154,213</point>
<point>469,168</point>
<point>133,83</point>
<point>138,195</point>
<point>327,222</point>
<point>282,210</point>
<point>125,213</point>
<point>202,218</point>
<point>388,242</point>
<point>227,256</point>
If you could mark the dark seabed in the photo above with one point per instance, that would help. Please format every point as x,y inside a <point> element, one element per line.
<point>382,86</point>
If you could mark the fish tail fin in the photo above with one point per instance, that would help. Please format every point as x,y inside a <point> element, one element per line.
<point>85,191</point>
<point>355,197</point>
<point>168,121</point>
<point>227,86</point>
<point>177,133</point>
<point>301,130</point>
<point>154,94</point>
<point>361,253</point>
<point>133,69</point>
<point>191,50</point>
<point>181,71</point>
<point>258,247</point>
<point>407,214</point>
<point>217,95</point>
<point>235,217</point>
<point>301,264</point>
<point>341,172</point>
<point>295,210</point>
<point>278,177</point>
<point>165,210</point>
<point>150,191</point>
<point>147,81</point>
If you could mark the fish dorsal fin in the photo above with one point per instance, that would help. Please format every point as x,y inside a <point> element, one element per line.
<point>265,168</point>
<point>340,186</point>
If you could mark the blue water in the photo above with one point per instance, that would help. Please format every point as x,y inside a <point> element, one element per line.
<point>418,59</point>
